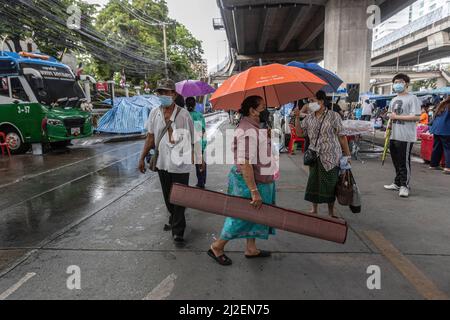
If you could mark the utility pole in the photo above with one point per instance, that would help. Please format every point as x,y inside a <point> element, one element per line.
<point>165,49</point>
<point>164,26</point>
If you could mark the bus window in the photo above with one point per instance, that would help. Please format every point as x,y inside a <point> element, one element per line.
<point>18,92</point>
<point>4,91</point>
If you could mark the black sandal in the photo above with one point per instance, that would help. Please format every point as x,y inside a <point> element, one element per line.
<point>222,260</point>
<point>261,254</point>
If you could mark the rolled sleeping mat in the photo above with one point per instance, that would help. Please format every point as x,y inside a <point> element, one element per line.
<point>324,228</point>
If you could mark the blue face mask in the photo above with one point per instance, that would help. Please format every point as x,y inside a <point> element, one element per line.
<point>399,87</point>
<point>166,101</point>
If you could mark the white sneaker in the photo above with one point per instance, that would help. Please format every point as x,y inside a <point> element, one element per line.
<point>392,187</point>
<point>404,192</point>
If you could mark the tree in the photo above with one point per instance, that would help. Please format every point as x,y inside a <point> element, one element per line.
<point>123,35</point>
<point>136,25</point>
<point>44,22</point>
<point>429,84</point>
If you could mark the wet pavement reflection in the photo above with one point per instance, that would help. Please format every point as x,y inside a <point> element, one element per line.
<point>41,197</point>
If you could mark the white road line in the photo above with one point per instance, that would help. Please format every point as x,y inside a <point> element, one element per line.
<point>163,290</point>
<point>14,288</point>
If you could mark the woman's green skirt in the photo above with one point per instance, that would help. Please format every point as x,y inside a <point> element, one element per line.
<point>236,228</point>
<point>321,186</point>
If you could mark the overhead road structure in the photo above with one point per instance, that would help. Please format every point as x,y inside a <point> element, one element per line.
<point>268,31</point>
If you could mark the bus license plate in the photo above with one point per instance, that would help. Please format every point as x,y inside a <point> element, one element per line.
<point>75,131</point>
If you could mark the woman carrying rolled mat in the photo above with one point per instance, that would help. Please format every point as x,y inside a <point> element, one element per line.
<point>249,178</point>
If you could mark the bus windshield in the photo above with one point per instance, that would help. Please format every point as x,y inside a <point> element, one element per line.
<point>58,85</point>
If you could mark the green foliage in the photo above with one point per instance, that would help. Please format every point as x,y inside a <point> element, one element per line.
<point>130,37</point>
<point>136,22</point>
<point>428,84</point>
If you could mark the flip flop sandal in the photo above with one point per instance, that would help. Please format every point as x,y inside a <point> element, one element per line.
<point>222,260</point>
<point>261,254</point>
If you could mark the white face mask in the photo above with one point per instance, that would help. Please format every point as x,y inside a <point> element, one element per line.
<point>314,106</point>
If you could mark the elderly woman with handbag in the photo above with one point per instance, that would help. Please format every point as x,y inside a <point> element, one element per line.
<point>324,129</point>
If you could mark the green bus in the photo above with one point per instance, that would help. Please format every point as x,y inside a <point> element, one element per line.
<point>40,101</point>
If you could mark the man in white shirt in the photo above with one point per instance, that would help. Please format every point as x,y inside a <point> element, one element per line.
<point>367,110</point>
<point>176,152</point>
<point>404,113</point>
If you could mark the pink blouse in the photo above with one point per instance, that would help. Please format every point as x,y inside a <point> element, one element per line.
<point>252,144</point>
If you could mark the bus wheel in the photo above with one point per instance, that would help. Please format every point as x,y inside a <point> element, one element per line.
<point>16,144</point>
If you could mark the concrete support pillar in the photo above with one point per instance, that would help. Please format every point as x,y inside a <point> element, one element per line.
<point>348,41</point>
<point>441,83</point>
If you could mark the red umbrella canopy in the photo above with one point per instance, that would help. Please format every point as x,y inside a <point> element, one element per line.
<point>276,83</point>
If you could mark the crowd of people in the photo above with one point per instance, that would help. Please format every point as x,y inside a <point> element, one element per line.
<point>316,119</point>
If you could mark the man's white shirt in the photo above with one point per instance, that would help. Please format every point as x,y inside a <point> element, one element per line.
<point>173,157</point>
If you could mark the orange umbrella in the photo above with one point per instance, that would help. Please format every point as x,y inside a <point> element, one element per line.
<point>276,83</point>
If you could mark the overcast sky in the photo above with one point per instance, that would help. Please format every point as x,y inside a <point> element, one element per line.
<point>197,16</point>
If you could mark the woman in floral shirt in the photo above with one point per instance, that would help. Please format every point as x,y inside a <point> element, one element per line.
<point>329,144</point>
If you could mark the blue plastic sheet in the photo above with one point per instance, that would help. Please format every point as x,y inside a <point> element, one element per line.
<point>128,115</point>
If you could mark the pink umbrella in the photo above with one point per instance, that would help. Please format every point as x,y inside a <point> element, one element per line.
<point>193,88</point>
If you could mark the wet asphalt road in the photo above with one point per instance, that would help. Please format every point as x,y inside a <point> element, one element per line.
<point>91,208</point>
<point>44,196</point>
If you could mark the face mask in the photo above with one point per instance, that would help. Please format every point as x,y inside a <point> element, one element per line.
<point>264,116</point>
<point>314,106</point>
<point>399,87</point>
<point>166,101</point>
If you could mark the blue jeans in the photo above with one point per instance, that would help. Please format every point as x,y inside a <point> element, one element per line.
<point>441,146</point>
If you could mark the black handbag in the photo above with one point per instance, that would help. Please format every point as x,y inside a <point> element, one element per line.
<point>344,189</point>
<point>310,158</point>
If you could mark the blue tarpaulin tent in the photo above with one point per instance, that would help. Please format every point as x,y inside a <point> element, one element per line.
<point>128,115</point>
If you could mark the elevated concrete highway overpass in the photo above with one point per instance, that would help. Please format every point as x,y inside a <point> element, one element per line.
<point>307,30</point>
<point>424,40</point>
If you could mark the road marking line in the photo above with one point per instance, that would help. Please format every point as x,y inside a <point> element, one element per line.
<point>417,278</point>
<point>14,288</point>
<point>163,290</point>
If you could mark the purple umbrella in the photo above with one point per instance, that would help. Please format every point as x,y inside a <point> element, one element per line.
<point>193,88</point>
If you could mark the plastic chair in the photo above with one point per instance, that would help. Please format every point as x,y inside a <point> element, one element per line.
<point>295,139</point>
<point>4,144</point>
